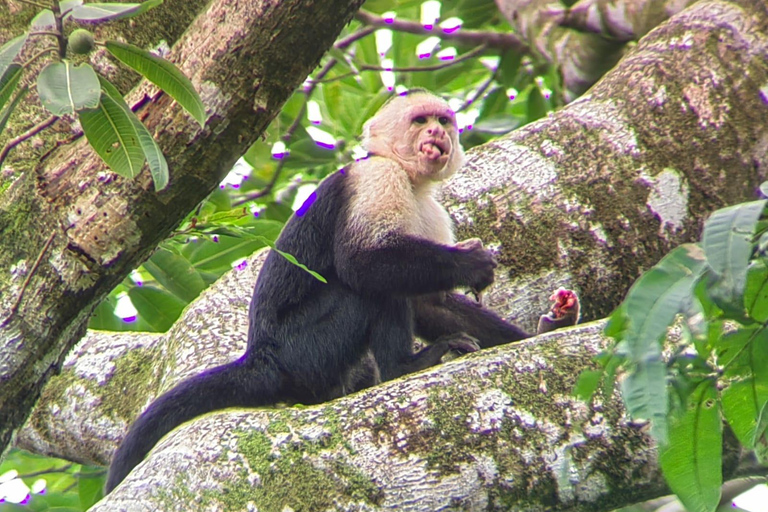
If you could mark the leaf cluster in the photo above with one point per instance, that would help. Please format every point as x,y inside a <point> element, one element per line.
<point>716,291</point>
<point>69,487</point>
<point>109,124</point>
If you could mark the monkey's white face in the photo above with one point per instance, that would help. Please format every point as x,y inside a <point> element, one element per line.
<point>419,132</point>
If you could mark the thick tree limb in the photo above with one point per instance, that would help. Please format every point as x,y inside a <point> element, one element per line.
<point>601,190</point>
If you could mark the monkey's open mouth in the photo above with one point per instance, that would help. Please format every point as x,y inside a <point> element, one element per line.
<point>433,149</point>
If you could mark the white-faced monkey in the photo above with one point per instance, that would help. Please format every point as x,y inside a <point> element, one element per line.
<point>386,248</point>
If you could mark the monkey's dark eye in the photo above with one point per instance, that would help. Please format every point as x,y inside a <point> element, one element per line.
<point>420,120</point>
<point>443,120</point>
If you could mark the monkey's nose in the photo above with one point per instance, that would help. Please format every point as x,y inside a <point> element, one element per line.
<point>436,131</point>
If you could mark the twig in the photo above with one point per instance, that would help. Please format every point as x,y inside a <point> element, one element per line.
<point>480,91</point>
<point>62,469</point>
<point>351,38</point>
<point>367,67</point>
<point>36,4</point>
<point>24,286</point>
<point>501,40</point>
<point>24,136</point>
<point>308,90</point>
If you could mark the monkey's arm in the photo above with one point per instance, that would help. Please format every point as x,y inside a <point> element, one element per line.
<point>440,315</point>
<point>408,265</point>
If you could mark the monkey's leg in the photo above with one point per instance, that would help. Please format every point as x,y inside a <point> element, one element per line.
<point>391,341</point>
<point>438,315</point>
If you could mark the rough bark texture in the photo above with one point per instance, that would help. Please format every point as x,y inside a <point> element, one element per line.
<point>89,228</point>
<point>588,38</point>
<point>495,431</point>
<point>599,191</point>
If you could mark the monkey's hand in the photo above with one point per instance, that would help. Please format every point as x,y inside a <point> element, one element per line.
<point>457,344</point>
<point>478,264</point>
<point>564,312</point>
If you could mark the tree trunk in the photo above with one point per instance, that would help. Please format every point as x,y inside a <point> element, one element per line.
<point>74,230</point>
<point>586,198</point>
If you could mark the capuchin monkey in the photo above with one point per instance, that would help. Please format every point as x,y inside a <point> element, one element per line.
<point>386,247</point>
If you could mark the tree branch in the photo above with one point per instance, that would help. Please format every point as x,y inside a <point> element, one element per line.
<point>501,40</point>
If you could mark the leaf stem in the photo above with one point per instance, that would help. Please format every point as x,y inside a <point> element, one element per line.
<point>58,17</point>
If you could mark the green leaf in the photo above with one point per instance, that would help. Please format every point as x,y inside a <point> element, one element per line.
<point>157,307</point>
<point>691,461</point>
<point>113,135</point>
<point>8,83</point>
<point>537,105</point>
<point>65,89</point>
<point>176,274</point>
<point>10,50</point>
<point>727,242</point>
<point>293,260</point>
<point>158,166</point>
<point>218,257</point>
<point>43,20</point>
<point>161,73</point>
<point>6,114</point>
<point>657,298</point>
<point>745,398</point>
<point>509,66</point>
<point>101,12</point>
<point>756,291</point>
<point>90,486</point>
<point>587,384</point>
<point>645,395</point>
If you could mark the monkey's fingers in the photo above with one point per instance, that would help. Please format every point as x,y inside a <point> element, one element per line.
<point>478,295</point>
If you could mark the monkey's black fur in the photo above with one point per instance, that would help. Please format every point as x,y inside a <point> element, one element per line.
<point>306,336</point>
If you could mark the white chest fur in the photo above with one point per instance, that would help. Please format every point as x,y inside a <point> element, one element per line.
<point>431,221</point>
<point>384,201</point>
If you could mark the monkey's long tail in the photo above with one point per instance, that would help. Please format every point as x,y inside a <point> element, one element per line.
<point>230,385</point>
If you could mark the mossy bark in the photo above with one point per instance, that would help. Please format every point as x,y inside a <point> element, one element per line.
<point>593,195</point>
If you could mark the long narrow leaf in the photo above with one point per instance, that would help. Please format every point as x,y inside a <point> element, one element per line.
<point>65,89</point>
<point>645,395</point>
<point>8,83</point>
<point>657,298</point>
<point>6,114</point>
<point>691,461</point>
<point>101,12</point>
<point>727,242</point>
<point>158,166</point>
<point>161,73</point>
<point>10,50</point>
<point>113,135</point>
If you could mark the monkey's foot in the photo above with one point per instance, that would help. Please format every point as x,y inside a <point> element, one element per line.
<point>460,342</point>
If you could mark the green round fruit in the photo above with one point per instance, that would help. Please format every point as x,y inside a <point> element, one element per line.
<point>80,41</point>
